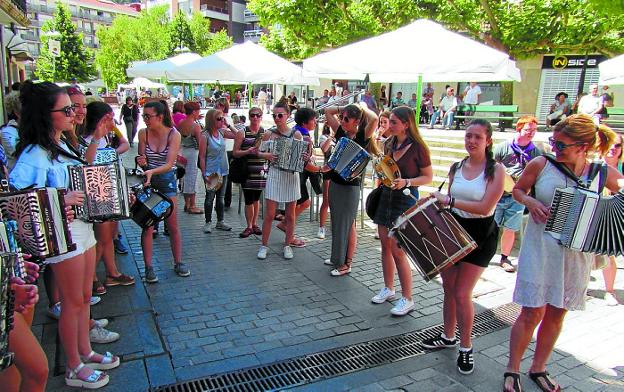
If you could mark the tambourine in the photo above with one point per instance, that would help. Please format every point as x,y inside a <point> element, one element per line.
<point>387,169</point>
<point>508,183</point>
<point>213,182</point>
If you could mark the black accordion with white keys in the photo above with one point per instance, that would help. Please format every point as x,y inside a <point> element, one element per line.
<point>42,228</point>
<point>106,191</point>
<point>587,221</point>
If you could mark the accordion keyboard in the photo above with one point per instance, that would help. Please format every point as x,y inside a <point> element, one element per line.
<point>561,204</point>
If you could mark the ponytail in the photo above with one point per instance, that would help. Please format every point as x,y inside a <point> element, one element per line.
<point>161,107</point>
<point>605,138</point>
<point>490,163</point>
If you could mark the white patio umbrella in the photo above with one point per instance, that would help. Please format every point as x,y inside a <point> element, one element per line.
<point>612,71</point>
<point>157,69</point>
<point>444,56</point>
<point>242,63</point>
<point>138,83</point>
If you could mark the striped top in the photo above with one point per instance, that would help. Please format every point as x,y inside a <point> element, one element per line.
<point>156,158</point>
<point>255,165</point>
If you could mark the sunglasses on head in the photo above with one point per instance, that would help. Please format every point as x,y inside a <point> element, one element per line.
<point>74,91</point>
<point>560,146</point>
<point>257,115</point>
<point>278,115</point>
<point>68,110</point>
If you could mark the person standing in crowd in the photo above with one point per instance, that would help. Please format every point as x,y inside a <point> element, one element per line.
<point>282,186</point>
<point>472,95</point>
<point>514,155</point>
<point>592,104</point>
<point>262,99</point>
<point>429,90</point>
<point>552,280</point>
<point>446,111</point>
<point>127,113</point>
<point>177,113</point>
<point>9,132</point>
<point>292,102</point>
<point>213,161</point>
<point>224,105</point>
<point>246,145</point>
<point>190,131</point>
<point>326,142</point>
<point>407,148</point>
<point>607,102</point>
<point>237,98</point>
<point>426,108</point>
<point>383,98</point>
<point>159,145</point>
<point>358,123</point>
<point>475,185</point>
<point>559,110</point>
<point>42,161</point>
<point>398,100</point>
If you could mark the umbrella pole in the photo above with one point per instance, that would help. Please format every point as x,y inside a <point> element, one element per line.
<point>418,98</point>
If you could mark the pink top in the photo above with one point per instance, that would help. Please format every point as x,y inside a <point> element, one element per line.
<point>177,117</point>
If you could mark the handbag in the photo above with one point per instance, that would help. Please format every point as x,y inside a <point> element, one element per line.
<point>372,202</point>
<point>239,170</point>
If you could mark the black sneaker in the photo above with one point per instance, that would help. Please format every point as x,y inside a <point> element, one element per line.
<point>120,247</point>
<point>438,342</point>
<point>181,269</point>
<point>150,275</point>
<point>465,362</point>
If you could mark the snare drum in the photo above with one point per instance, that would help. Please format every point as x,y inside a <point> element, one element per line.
<point>431,237</point>
<point>348,159</point>
<point>386,169</point>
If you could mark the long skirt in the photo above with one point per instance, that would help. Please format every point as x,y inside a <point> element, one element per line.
<point>343,204</point>
<point>190,178</point>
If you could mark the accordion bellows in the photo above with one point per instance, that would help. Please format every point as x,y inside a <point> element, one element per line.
<point>348,159</point>
<point>42,228</point>
<point>6,311</point>
<point>106,190</point>
<point>586,221</point>
<point>289,153</point>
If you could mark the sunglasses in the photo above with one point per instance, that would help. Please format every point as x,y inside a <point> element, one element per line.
<point>279,115</point>
<point>68,110</point>
<point>619,145</point>
<point>344,118</point>
<point>219,119</point>
<point>148,116</point>
<point>256,115</point>
<point>560,146</point>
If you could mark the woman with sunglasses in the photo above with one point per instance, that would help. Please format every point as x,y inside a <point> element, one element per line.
<point>407,148</point>
<point>246,145</point>
<point>614,159</point>
<point>159,145</point>
<point>356,122</point>
<point>190,130</point>
<point>282,186</point>
<point>552,280</point>
<point>213,160</point>
<point>47,111</point>
<point>475,185</point>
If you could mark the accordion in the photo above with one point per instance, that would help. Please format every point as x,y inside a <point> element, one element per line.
<point>106,190</point>
<point>586,221</point>
<point>42,228</point>
<point>289,152</point>
<point>150,207</point>
<point>6,310</point>
<point>9,245</point>
<point>348,159</point>
<point>102,155</point>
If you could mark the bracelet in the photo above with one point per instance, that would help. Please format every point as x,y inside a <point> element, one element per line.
<point>95,141</point>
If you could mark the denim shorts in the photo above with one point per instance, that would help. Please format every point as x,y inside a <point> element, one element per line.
<point>165,183</point>
<point>509,213</point>
<point>393,203</point>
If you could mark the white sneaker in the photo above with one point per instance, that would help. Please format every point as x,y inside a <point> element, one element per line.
<point>327,262</point>
<point>611,300</point>
<point>98,334</point>
<point>288,253</point>
<point>102,322</point>
<point>207,228</point>
<point>262,252</point>
<point>94,300</point>
<point>403,307</point>
<point>321,233</point>
<point>384,295</point>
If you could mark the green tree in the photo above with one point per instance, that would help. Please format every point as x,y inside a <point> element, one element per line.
<point>207,42</point>
<point>180,34</point>
<point>521,28</point>
<point>132,39</point>
<point>74,61</point>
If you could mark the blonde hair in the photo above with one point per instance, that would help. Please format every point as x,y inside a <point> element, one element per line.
<point>581,128</point>
<point>211,119</point>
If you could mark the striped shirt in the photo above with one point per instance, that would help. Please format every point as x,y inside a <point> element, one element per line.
<point>156,158</point>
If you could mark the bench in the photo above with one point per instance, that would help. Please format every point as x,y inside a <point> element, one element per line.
<point>615,119</point>
<point>500,113</point>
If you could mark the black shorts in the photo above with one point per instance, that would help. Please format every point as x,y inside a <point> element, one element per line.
<point>251,195</point>
<point>484,231</point>
<point>303,187</point>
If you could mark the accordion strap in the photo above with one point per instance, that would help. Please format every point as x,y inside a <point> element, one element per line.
<point>594,168</point>
<point>75,155</point>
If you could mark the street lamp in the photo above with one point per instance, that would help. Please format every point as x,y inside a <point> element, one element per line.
<point>54,46</point>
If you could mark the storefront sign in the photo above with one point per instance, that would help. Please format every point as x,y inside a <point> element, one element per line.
<point>571,61</point>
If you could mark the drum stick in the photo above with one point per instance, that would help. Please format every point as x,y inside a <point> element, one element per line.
<point>407,192</point>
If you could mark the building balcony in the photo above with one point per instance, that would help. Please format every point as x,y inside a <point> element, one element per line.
<point>220,9</point>
<point>250,17</point>
<point>13,11</point>
<point>253,35</point>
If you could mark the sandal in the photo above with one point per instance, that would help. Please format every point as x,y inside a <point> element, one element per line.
<point>195,211</point>
<point>256,230</point>
<point>95,380</point>
<point>342,270</point>
<point>507,266</point>
<point>544,382</point>
<point>98,288</point>
<point>297,243</point>
<point>108,361</point>
<point>279,217</point>
<point>516,382</point>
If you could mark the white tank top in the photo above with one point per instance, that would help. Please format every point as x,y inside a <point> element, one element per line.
<point>471,190</point>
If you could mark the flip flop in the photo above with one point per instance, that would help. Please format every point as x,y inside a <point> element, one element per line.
<point>516,382</point>
<point>195,211</point>
<point>297,243</point>
<point>544,382</point>
<point>507,266</point>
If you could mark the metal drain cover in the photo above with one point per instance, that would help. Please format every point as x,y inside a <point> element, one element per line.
<point>335,362</point>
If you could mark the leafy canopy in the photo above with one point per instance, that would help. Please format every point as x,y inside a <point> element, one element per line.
<point>521,28</point>
<point>74,61</point>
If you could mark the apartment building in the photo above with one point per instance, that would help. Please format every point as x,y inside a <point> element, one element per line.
<point>231,15</point>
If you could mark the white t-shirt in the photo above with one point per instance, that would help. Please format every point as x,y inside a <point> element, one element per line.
<point>448,102</point>
<point>262,96</point>
<point>472,95</point>
<point>589,104</point>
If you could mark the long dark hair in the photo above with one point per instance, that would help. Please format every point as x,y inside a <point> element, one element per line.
<point>95,111</point>
<point>490,163</point>
<point>161,108</point>
<point>35,127</point>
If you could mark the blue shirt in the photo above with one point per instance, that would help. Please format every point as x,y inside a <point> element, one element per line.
<point>216,155</point>
<point>35,167</point>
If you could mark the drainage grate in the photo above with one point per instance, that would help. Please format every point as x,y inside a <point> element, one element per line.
<point>332,363</point>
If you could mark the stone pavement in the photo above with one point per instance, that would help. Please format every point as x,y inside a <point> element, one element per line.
<point>236,311</point>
